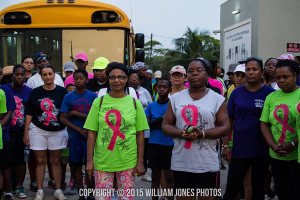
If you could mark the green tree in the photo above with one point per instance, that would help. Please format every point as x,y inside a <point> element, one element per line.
<point>195,43</point>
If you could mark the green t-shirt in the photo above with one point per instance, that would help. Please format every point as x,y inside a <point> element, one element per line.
<point>116,117</point>
<point>278,111</point>
<point>297,116</point>
<point>224,87</point>
<point>2,110</point>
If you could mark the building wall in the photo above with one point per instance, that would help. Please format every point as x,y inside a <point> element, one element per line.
<point>248,9</point>
<point>274,24</point>
<point>278,24</point>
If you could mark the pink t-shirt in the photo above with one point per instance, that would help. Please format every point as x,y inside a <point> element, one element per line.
<point>70,79</point>
<point>213,82</point>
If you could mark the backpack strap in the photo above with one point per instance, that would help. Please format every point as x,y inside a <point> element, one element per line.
<point>101,101</point>
<point>134,103</point>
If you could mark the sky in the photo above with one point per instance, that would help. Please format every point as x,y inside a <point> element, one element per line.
<point>165,19</point>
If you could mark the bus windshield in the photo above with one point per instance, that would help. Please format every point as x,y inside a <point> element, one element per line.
<point>62,45</point>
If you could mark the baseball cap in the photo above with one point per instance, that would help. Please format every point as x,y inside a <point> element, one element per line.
<point>8,70</point>
<point>150,71</point>
<point>81,56</point>
<point>240,68</point>
<point>100,63</point>
<point>69,67</point>
<point>179,69</point>
<point>286,57</point>
<point>157,74</point>
<point>231,68</point>
<point>138,66</point>
<point>39,56</point>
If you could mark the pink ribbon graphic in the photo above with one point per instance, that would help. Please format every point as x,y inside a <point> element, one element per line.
<point>49,112</point>
<point>284,122</point>
<point>116,129</point>
<point>17,111</point>
<point>194,109</point>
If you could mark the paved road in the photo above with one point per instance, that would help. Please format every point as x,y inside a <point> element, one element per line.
<point>138,185</point>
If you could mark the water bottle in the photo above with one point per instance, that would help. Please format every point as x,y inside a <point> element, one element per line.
<point>26,154</point>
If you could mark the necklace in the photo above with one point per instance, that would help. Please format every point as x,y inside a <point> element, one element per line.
<point>197,98</point>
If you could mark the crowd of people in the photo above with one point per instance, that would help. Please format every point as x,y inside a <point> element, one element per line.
<point>116,122</point>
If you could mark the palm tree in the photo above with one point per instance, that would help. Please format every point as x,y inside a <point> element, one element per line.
<point>195,43</point>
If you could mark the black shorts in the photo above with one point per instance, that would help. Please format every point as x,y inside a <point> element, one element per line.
<point>159,156</point>
<point>184,180</point>
<point>13,150</point>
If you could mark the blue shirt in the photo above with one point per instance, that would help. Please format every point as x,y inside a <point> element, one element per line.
<point>245,108</point>
<point>78,102</point>
<point>153,111</point>
<point>10,106</point>
<point>21,97</point>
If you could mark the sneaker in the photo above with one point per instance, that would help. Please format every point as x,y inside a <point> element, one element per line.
<point>58,194</point>
<point>146,178</point>
<point>14,191</point>
<point>8,197</point>
<point>51,184</point>
<point>71,183</point>
<point>39,196</point>
<point>72,190</point>
<point>20,192</point>
<point>33,186</point>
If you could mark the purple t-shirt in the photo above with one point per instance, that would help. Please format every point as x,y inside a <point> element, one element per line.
<point>10,106</point>
<point>245,108</point>
<point>21,97</point>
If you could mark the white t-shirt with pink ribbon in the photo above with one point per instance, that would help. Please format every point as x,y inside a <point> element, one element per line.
<point>199,156</point>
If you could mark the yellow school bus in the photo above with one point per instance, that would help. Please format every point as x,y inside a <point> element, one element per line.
<point>63,28</point>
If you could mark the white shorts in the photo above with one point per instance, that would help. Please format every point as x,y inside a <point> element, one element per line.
<point>43,140</point>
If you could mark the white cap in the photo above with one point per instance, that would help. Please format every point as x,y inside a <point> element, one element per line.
<point>240,68</point>
<point>157,74</point>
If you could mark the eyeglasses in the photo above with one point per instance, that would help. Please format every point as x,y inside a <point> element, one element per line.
<point>112,78</point>
<point>177,75</point>
<point>28,63</point>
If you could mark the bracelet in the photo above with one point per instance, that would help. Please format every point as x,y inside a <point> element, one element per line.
<point>224,146</point>
<point>203,134</point>
<point>293,144</point>
<point>78,129</point>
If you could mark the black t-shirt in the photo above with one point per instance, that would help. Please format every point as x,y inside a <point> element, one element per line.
<point>94,86</point>
<point>44,105</point>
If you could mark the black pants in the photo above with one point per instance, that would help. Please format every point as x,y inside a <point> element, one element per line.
<point>287,178</point>
<point>236,174</point>
<point>146,140</point>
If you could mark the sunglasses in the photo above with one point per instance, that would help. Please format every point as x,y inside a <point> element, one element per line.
<point>254,58</point>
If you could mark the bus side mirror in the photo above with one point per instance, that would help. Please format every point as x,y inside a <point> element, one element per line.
<point>139,56</point>
<point>139,40</point>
